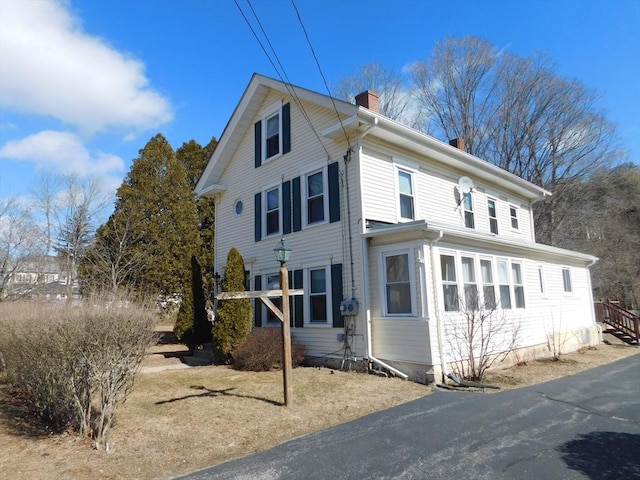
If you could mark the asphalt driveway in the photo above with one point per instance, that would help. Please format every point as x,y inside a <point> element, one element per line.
<point>584,426</point>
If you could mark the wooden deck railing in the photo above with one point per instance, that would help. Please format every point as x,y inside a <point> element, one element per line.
<point>622,320</point>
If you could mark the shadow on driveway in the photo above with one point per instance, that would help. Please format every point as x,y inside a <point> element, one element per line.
<point>604,455</point>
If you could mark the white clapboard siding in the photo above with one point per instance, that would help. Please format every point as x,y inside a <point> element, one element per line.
<point>401,340</point>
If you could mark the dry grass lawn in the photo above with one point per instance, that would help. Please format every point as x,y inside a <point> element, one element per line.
<point>179,421</point>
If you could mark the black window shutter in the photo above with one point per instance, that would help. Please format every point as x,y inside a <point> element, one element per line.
<point>258,143</point>
<point>336,294</point>
<point>257,303</point>
<point>298,300</point>
<point>286,128</point>
<point>286,207</point>
<point>334,192</point>
<point>258,217</point>
<point>296,204</point>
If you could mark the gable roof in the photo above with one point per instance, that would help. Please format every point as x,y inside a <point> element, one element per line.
<point>357,118</point>
<point>242,119</point>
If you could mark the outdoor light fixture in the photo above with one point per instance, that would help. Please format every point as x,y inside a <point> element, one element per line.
<point>282,252</point>
<point>217,278</point>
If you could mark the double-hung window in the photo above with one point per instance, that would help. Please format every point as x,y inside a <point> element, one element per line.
<point>272,283</point>
<point>513,213</point>
<point>503,282</point>
<point>470,285</point>
<point>467,205</point>
<point>449,283</point>
<point>272,136</point>
<point>405,189</point>
<point>272,211</point>
<point>566,280</point>
<point>316,197</point>
<point>398,284</point>
<point>488,288</point>
<point>493,216</point>
<point>541,278</point>
<point>318,295</point>
<point>518,286</point>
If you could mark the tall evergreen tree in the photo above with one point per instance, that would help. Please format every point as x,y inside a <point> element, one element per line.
<point>156,200</point>
<point>233,322</point>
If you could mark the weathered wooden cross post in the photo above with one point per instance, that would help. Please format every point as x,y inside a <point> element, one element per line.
<point>282,255</point>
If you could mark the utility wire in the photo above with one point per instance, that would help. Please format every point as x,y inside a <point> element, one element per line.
<point>283,76</point>
<point>313,52</point>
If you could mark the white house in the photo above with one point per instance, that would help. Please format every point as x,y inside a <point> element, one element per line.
<point>405,232</point>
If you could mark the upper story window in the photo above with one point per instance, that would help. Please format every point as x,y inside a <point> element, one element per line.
<point>467,205</point>
<point>405,189</point>
<point>397,276</point>
<point>566,280</point>
<point>272,211</point>
<point>493,216</point>
<point>316,197</point>
<point>513,212</point>
<point>272,136</point>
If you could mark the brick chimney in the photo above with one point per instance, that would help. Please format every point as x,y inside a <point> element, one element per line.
<point>458,143</point>
<point>368,99</point>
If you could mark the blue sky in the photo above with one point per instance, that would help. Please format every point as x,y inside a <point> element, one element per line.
<point>85,84</point>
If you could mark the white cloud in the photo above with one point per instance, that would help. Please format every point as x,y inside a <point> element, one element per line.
<point>51,67</point>
<point>62,152</point>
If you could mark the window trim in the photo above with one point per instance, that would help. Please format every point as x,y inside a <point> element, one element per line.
<point>495,217</point>
<point>471,211</point>
<point>273,110</point>
<point>399,194</point>
<point>265,223</point>
<point>325,197</point>
<point>516,217</point>
<point>306,309</point>
<point>412,283</point>
<point>567,286</point>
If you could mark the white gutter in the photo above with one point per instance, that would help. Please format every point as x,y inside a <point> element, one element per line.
<point>436,307</point>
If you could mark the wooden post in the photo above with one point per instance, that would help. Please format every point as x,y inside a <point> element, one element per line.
<point>286,337</point>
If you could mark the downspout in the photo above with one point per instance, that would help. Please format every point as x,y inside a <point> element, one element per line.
<point>443,365</point>
<point>367,309</point>
<point>365,270</point>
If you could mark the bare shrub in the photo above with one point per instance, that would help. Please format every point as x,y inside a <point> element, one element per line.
<point>481,337</point>
<point>75,365</point>
<point>261,351</point>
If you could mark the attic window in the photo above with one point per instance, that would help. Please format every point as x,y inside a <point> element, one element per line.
<point>272,136</point>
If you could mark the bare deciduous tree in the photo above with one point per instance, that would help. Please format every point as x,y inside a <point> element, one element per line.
<point>479,337</point>
<point>19,241</point>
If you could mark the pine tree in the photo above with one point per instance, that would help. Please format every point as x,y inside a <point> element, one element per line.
<point>233,322</point>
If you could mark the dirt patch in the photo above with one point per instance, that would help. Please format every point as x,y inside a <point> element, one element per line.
<point>177,421</point>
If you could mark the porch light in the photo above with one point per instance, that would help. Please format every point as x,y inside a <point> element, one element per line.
<point>282,252</point>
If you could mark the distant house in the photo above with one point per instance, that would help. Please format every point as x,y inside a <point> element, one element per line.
<point>396,235</point>
<point>37,276</point>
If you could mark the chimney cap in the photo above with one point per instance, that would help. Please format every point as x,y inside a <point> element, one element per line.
<point>368,99</point>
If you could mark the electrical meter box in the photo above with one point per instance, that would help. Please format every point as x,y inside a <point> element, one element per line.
<point>349,307</point>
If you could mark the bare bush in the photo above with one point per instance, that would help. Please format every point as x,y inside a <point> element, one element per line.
<point>262,351</point>
<point>75,365</point>
<point>480,338</point>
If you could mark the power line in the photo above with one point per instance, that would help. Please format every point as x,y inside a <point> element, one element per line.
<point>283,76</point>
<point>313,52</point>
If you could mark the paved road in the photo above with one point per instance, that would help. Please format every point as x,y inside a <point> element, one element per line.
<point>585,426</point>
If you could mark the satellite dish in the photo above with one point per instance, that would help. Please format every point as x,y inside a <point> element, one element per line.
<point>465,184</point>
